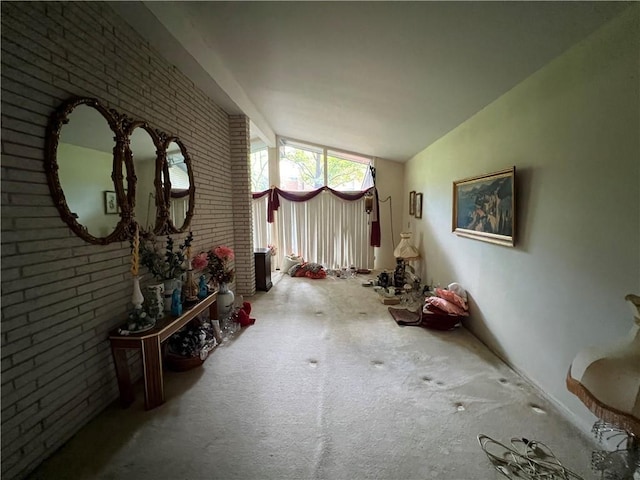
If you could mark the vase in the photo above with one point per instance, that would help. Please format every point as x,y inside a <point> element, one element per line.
<point>190,289</point>
<point>203,288</point>
<point>169,286</point>
<point>225,301</point>
<point>136,297</point>
<point>156,300</point>
<point>176,302</point>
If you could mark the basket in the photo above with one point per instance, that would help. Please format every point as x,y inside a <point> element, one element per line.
<point>178,363</point>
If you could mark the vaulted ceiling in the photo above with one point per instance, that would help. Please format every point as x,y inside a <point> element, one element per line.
<point>385,79</point>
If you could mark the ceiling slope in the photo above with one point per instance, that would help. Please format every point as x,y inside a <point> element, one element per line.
<point>381,78</point>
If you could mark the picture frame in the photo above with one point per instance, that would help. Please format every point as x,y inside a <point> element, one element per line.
<point>412,202</point>
<point>418,205</point>
<point>484,207</point>
<point>110,203</point>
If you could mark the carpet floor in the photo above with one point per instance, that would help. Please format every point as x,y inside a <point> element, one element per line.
<point>325,385</point>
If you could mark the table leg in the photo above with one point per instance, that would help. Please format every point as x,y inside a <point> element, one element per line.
<point>152,369</point>
<point>122,374</point>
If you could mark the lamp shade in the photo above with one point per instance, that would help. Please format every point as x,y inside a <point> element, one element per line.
<point>607,378</point>
<point>405,248</point>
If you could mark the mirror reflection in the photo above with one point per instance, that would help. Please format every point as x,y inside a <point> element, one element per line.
<point>180,185</point>
<point>97,158</point>
<point>143,154</point>
<point>85,161</point>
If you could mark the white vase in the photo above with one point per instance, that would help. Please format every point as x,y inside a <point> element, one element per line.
<point>169,286</point>
<point>156,298</point>
<point>137,299</point>
<point>225,301</point>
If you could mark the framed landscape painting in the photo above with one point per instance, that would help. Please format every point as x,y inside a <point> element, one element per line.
<point>484,207</point>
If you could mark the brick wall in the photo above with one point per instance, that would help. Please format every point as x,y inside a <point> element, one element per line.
<point>60,295</point>
<point>242,225</point>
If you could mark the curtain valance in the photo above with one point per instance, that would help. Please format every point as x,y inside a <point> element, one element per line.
<point>274,203</point>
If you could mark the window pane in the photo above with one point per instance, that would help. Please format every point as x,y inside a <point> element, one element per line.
<point>259,170</point>
<point>301,167</point>
<point>348,172</point>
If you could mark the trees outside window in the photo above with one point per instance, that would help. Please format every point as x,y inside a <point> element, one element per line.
<point>309,167</point>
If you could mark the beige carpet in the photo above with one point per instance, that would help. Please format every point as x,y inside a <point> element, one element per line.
<point>325,385</point>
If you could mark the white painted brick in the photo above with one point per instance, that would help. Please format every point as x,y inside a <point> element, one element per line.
<point>16,347</point>
<point>60,350</point>
<point>11,395</point>
<point>50,266</point>
<point>44,279</point>
<point>71,303</point>
<point>19,421</point>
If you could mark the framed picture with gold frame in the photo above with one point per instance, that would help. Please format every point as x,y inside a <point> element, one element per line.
<point>484,207</point>
<point>412,202</point>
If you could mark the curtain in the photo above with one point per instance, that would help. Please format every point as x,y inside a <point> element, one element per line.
<point>324,228</point>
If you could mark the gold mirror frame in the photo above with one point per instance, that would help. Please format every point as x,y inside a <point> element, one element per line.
<point>60,118</point>
<point>168,224</point>
<point>156,137</point>
<point>122,128</point>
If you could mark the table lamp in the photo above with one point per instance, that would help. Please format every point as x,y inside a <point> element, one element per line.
<point>404,252</point>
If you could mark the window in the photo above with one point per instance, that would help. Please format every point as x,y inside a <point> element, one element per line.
<point>308,167</point>
<point>259,169</point>
<point>301,166</point>
<point>348,172</point>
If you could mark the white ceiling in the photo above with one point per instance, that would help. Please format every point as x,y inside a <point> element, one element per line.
<point>380,78</point>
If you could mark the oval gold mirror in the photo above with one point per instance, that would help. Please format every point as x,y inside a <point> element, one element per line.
<point>143,151</point>
<point>179,191</point>
<point>84,170</point>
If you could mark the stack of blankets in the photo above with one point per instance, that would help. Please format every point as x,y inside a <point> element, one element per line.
<point>446,309</point>
<point>308,269</point>
<point>452,301</point>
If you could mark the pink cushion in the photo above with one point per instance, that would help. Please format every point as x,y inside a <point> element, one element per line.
<point>452,297</point>
<point>445,305</point>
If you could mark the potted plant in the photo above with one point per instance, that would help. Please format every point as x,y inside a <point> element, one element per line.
<point>166,265</point>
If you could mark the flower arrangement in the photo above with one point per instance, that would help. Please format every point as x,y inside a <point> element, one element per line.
<point>218,262</point>
<point>272,250</point>
<point>191,340</point>
<point>168,264</point>
<point>139,319</point>
<point>200,261</point>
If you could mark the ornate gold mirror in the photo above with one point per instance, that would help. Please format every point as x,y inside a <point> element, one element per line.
<point>179,190</point>
<point>84,165</point>
<point>90,148</point>
<point>143,151</point>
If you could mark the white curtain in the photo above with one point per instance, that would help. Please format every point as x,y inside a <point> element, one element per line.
<point>325,229</point>
<point>178,210</point>
<point>262,231</point>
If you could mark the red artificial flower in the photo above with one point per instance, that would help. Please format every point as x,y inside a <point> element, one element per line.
<point>224,253</point>
<point>200,261</point>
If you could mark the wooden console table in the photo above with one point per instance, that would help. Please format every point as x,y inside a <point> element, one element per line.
<point>149,343</point>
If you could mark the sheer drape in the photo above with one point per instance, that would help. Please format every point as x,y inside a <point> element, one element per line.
<point>263,232</point>
<point>326,229</point>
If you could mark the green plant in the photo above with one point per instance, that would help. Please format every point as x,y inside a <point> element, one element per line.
<point>168,264</point>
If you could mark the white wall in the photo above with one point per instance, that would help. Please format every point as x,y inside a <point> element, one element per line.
<point>572,130</point>
<point>85,174</point>
<point>389,182</point>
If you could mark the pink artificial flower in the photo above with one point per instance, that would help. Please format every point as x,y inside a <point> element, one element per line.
<point>224,253</point>
<point>200,261</point>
